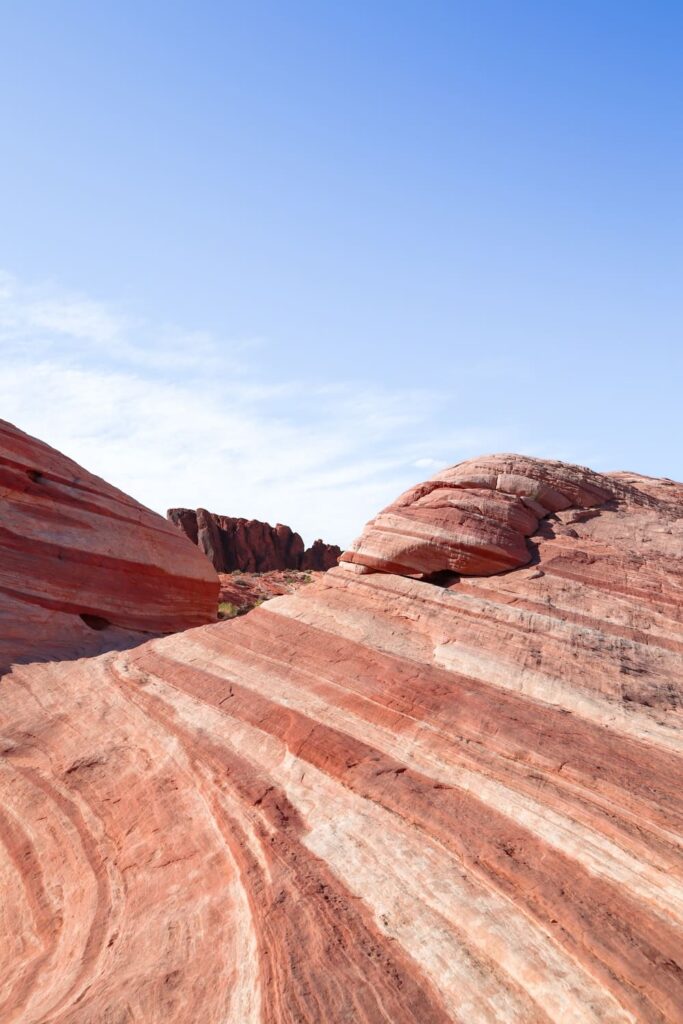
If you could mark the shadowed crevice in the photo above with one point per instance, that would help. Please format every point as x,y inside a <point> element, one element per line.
<point>96,622</point>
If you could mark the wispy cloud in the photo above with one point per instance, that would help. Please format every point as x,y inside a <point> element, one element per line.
<point>154,410</point>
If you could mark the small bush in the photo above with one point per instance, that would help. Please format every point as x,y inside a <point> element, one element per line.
<point>228,610</point>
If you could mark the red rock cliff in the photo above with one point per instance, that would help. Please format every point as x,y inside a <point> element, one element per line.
<point>250,545</point>
<point>454,798</point>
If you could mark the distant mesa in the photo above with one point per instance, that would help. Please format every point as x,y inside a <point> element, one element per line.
<point>249,545</point>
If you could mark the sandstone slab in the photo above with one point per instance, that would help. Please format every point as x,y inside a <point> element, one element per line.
<point>453,798</point>
<point>80,557</point>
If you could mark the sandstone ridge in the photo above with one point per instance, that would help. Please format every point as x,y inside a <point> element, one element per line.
<point>80,558</point>
<point>250,545</point>
<point>455,798</point>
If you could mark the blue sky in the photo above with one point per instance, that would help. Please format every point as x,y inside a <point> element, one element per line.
<point>284,260</point>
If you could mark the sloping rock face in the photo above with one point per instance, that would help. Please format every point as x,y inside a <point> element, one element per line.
<point>377,799</point>
<point>80,559</point>
<point>250,545</point>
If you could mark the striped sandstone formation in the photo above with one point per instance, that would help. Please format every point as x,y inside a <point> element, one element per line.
<point>474,518</point>
<point>395,796</point>
<point>80,559</point>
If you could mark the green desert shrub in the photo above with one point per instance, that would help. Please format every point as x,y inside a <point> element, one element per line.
<point>228,610</point>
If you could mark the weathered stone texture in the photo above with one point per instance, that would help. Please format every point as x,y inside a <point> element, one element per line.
<point>78,557</point>
<point>382,798</point>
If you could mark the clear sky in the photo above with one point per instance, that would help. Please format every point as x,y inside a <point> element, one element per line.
<point>285,259</point>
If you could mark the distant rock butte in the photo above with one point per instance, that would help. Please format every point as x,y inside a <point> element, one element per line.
<point>250,545</point>
<point>79,557</point>
<point>320,556</point>
<point>381,798</point>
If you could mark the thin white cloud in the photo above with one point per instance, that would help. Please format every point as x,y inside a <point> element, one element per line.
<point>155,411</point>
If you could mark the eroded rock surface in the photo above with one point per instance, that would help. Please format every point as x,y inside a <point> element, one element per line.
<point>249,545</point>
<point>79,559</point>
<point>377,799</point>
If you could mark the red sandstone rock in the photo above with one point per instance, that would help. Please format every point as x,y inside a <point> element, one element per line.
<point>77,556</point>
<point>250,545</point>
<point>378,799</point>
<point>474,517</point>
<point>320,557</point>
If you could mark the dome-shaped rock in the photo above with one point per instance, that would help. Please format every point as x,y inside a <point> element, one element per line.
<point>474,518</point>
